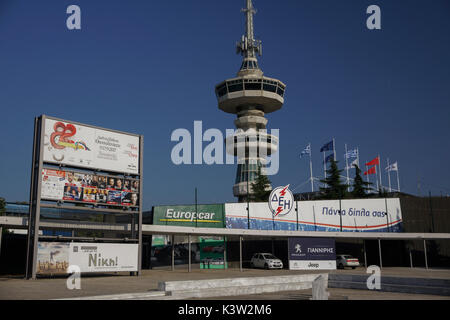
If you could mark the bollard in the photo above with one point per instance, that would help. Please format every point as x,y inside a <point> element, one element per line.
<point>319,289</point>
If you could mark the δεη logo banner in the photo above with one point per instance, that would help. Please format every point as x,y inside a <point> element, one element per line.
<point>281,201</point>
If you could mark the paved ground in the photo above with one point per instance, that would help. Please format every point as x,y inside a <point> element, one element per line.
<point>18,288</point>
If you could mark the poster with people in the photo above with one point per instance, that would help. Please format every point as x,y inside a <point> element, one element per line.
<point>89,188</point>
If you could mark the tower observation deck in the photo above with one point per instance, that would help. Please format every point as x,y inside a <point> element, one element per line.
<point>250,95</point>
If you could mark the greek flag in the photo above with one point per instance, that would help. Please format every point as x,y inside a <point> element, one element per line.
<point>352,165</point>
<point>352,154</point>
<point>307,150</point>
<point>392,167</point>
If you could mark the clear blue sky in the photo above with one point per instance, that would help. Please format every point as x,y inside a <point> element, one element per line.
<point>150,67</point>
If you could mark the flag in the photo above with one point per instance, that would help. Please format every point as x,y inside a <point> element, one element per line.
<point>351,166</point>
<point>352,154</point>
<point>372,170</point>
<point>327,146</point>
<point>392,167</point>
<point>374,162</point>
<point>328,158</point>
<point>307,150</point>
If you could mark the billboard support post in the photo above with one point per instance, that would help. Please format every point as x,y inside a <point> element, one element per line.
<point>410,258</point>
<point>1,235</point>
<point>141,202</point>
<point>35,198</point>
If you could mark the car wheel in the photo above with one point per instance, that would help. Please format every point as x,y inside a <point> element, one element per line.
<point>252,265</point>
<point>266,266</point>
<point>341,266</point>
<point>353,267</point>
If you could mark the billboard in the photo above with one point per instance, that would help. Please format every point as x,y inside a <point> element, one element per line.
<point>56,257</point>
<point>355,215</point>
<point>88,147</point>
<point>312,254</point>
<point>90,188</point>
<point>209,215</point>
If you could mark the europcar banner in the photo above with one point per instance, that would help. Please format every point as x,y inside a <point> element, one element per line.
<point>89,147</point>
<point>312,254</point>
<point>56,257</point>
<point>355,215</point>
<point>208,215</point>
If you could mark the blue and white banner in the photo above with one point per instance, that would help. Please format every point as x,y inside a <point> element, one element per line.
<point>305,151</point>
<point>352,154</point>
<point>356,215</point>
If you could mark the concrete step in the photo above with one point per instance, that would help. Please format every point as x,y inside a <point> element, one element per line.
<point>150,295</point>
<point>236,290</point>
<point>237,282</point>
<point>439,287</point>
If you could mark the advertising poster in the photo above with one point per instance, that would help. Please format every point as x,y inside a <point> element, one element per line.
<point>88,147</point>
<point>52,257</point>
<point>212,253</point>
<point>312,254</point>
<point>56,257</point>
<point>52,184</point>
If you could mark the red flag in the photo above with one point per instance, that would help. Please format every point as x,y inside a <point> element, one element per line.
<point>374,162</point>
<point>372,170</point>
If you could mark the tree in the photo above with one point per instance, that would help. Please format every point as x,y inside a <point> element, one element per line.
<point>2,207</point>
<point>360,187</point>
<point>335,188</point>
<point>260,188</point>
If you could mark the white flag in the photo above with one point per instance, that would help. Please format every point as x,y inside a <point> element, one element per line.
<point>392,167</point>
<point>351,166</point>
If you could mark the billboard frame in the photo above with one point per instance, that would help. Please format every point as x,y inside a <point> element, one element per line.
<point>35,200</point>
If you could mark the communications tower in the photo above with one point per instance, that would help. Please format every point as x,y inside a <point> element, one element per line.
<point>250,95</point>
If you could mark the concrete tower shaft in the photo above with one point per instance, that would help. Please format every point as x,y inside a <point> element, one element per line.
<point>250,95</point>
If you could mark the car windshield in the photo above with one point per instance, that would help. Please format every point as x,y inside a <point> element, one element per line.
<point>347,257</point>
<point>269,256</point>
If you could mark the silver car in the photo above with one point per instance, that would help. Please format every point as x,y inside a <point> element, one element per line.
<point>266,261</point>
<point>346,260</point>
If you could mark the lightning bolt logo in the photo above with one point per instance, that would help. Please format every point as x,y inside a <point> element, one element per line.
<point>282,194</point>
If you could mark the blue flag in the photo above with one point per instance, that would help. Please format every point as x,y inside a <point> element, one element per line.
<point>327,146</point>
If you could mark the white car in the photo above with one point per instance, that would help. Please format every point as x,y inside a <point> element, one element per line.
<point>346,260</point>
<point>266,261</point>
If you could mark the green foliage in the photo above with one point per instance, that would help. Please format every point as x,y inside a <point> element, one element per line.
<point>335,188</point>
<point>260,187</point>
<point>360,187</point>
<point>2,207</point>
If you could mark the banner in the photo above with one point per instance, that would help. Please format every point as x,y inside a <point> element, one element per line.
<point>77,187</point>
<point>56,257</point>
<point>89,147</point>
<point>355,215</point>
<point>312,254</point>
<point>208,216</point>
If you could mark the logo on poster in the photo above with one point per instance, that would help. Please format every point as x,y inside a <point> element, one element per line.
<point>281,201</point>
<point>59,139</point>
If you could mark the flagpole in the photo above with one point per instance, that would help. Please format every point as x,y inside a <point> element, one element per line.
<point>334,149</point>
<point>379,167</point>
<point>376,178</point>
<point>346,167</point>
<point>324,166</point>
<point>368,176</point>
<point>310,168</point>
<point>389,175</point>
<point>398,181</point>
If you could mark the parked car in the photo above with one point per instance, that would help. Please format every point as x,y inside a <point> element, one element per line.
<point>346,260</point>
<point>266,261</point>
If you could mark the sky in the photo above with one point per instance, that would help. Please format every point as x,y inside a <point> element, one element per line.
<point>150,67</point>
